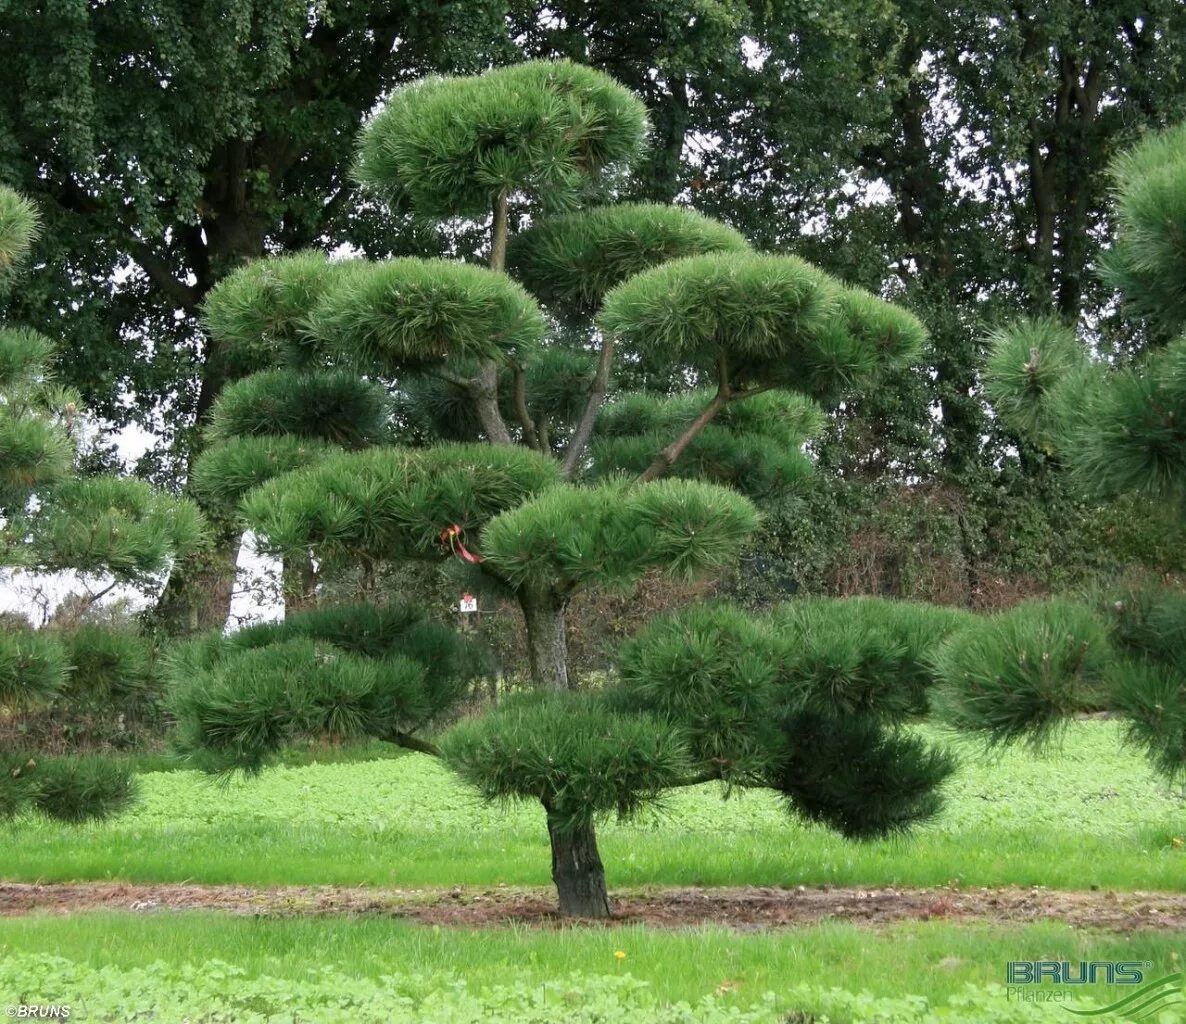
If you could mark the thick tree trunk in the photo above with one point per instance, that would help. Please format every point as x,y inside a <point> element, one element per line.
<point>577,870</point>
<point>547,641</point>
<point>198,594</point>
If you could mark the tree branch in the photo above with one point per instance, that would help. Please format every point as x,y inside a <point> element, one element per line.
<point>529,433</point>
<point>161,275</point>
<point>670,455</point>
<point>410,742</point>
<point>597,389</point>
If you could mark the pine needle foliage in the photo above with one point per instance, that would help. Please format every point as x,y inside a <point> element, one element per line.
<point>343,671</point>
<point>108,666</point>
<point>713,670</point>
<point>68,789</point>
<point>807,700</point>
<point>1134,438</point>
<point>331,405</point>
<point>33,667</point>
<point>1147,263</point>
<point>1021,674</point>
<point>1027,361</point>
<point>612,532</point>
<point>581,757</point>
<point>759,320</point>
<point>449,147</point>
<point>859,778</point>
<point>407,314</point>
<point>121,526</point>
<point>389,503</point>
<point>754,446</point>
<point>19,223</point>
<point>571,262</point>
<point>223,474</point>
<point>256,315</point>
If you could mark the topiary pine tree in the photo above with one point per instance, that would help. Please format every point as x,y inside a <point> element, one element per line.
<point>507,466</point>
<point>1117,431</point>
<point>119,530</point>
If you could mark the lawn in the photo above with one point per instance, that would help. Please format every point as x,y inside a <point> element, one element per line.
<point>1090,814</point>
<point>378,969</point>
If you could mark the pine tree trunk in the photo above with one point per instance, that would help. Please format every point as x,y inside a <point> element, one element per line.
<point>577,871</point>
<point>300,583</point>
<point>547,642</point>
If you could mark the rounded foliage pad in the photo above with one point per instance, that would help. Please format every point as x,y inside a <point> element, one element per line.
<point>612,532</point>
<point>448,146</point>
<point>332,405</point>
<point>570,750</point>
<point>761,321</point>
<point>390,503</point>
<point>1021,673</point>
<point>257,314</point>
<point>570,262</point>
<point>411,313</point>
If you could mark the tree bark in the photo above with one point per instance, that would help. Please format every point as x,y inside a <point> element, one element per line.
<point>577,870</point>
<point>198,594</point>
<point>300,583</point>
<point>547,641</point>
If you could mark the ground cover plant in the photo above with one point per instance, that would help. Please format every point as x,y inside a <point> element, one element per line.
<point>368,968</point>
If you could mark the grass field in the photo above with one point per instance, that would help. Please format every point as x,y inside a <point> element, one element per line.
<point>1092,814</point>
<point>267,963</point>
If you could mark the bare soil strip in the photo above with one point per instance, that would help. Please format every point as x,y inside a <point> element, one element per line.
<point>675,907</point>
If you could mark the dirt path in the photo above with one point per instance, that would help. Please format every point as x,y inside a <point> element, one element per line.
<point>683,907</point>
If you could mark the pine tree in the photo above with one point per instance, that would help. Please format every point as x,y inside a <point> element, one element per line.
<point>101,527</point>
<point>500,458</point>
<point>1117,430</point>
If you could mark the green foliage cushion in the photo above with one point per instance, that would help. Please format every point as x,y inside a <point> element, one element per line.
<point>774,320</point>
<point>33,666</point>
<point>251,704</point>
<point>1027,361</point>
<point>713,671</point>
<point>412,313</point>
<point>224,473</point>
<point>330,405</point>
<point>859,778</point>
<point>108,665</point>
<point>570,262</point>
<point>1134,438</point>
<point>572,751</point>
<point>121,526</point>
<point>69,789</point>
<point>448,146</point>
<point>391,503</point>
<point>35,452</point>
<point>257,313</point>
<point>18,226</point>
<point>24,357</point>
<point>612,532</point>
<point>862,656</point>
<point>1146,261</point>
<point>1021,673</point>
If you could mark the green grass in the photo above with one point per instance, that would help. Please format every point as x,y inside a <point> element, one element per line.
<point>1092,815</point>
<point>937,958</point>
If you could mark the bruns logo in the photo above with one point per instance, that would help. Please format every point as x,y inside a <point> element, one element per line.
<point>1054,981</point>
<point>1060,972</point>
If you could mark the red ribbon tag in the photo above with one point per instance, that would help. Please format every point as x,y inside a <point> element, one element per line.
<point>451,535</point>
